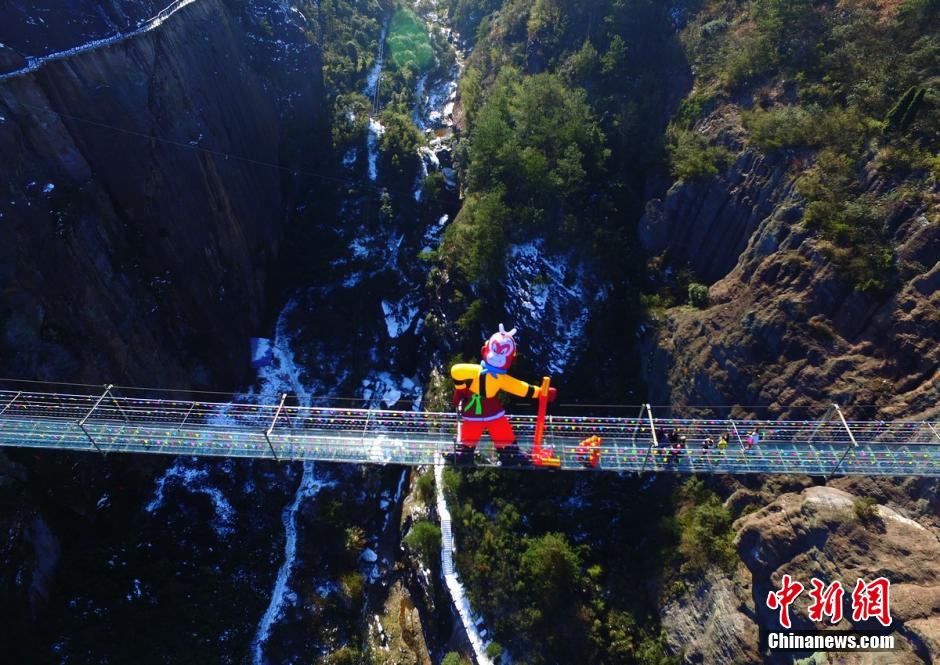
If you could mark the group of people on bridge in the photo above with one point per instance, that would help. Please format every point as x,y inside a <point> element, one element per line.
<point>673,444</point>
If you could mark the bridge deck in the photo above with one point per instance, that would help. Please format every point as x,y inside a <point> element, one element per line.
<point>104,423</point>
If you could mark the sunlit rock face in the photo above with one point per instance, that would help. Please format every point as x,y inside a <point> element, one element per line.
<point>785,327</point>
<point>820,533</point>
<point>817,532</point>
<point>788,333</point>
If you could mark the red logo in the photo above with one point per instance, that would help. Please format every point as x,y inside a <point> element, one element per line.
<point>827,602</point>
<point>871,600</point>
<point>784,598</point>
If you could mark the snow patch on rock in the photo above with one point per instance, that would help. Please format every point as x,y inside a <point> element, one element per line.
<point>399,316</point>
<point>376,130</point>
<point>551,293</point>
<point>189,473</point>
<point>886,513</point>
<point>830,497</point>
<point>310,485</point>
<point>472,624</point>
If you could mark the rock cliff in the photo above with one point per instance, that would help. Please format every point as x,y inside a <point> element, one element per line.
<point>145,195</point>
<point>787,334</point>
<point>144,203</point>
<point>784,328</point>
<point>48,26</point>
<point>821,532</point>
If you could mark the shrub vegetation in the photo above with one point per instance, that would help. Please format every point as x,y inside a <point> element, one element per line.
<point>698,295</point>
<point>425,488</point>
<point>425,538</point>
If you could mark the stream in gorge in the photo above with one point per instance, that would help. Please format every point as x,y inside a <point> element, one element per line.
<point>355,338</point>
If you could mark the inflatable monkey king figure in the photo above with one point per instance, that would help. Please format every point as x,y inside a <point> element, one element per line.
<point>475,390</point>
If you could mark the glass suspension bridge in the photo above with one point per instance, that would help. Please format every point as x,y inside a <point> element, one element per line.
<point>110,422</point>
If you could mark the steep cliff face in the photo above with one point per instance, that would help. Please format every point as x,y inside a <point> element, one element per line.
<point>708,223</point>
<point>144,196</point>
<point>48,26</point>
<point>137,259</point>
<point>820,533</point>
<point>784,328</point>
<point>817,532</point>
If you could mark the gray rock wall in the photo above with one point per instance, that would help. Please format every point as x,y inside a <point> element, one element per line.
<point>135,260</point>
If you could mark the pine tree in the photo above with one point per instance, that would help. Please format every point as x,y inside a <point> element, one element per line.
<point>911,111</point>
<point>904,110</point>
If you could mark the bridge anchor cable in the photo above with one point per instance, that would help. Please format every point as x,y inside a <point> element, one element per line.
<point>459,426</point>
<point>365,429</point>
<point>10,403</point>
<point>654,441</point>
<point>932,429</point>
<point>81,423</point>
<point>186,417</point>
<point>854,445</point>
<point>267,432</point>
<point>736,433</point>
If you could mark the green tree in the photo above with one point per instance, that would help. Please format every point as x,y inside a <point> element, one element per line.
<point>355,541</point>
<point>471,92</point>
<point>537,139</point>
<point>453,658</point>
<point>468,14</point>
<point>350,119</point>
<point>904,111</point>
<point>547,23</point>
<point>691,156</point>
<point>474,243</point>
<point>398,147</point>
<point>705,536</point>
<point>408,42</point>
<point>425,538</point>
<point>865,509</point>
<point>784,23</point>
<point>615,60</point>
<point>551,569</point>
<point>581,65</point>
<point>425,488</point>
<point>346,656</point>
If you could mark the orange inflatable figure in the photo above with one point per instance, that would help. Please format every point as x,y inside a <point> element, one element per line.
<point>588,452</point>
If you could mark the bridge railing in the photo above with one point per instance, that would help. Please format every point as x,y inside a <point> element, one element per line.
<point>109,420</point>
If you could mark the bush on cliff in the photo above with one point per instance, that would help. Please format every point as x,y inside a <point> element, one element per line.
<point>698,295</point>
<point>691,157</point>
